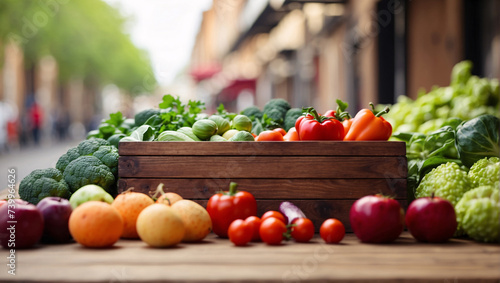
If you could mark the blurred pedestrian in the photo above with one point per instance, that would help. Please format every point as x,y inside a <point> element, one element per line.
<point>36,116</point>
<point>3,126</point>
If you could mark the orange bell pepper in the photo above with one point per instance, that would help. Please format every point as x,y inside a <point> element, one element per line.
<point>347,124</point>
<point>367,125</point>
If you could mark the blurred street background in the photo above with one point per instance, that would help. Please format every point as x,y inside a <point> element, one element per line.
<point>67,64</point>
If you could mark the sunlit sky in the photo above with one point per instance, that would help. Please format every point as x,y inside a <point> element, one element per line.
<point>166,29</point>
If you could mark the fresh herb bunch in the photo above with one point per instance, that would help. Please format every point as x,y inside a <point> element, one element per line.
<point>175,115</point>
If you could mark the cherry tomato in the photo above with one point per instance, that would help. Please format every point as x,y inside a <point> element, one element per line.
<point>302,230</point>
<point>275,214</point>
<point>254,222</point>
<point>239,232</point>
<point>332,230</point>
<point>272,231</point>
<point>270,136</point>
<point>280,130</point>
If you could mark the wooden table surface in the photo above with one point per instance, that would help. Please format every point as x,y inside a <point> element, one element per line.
<point>217,260</point>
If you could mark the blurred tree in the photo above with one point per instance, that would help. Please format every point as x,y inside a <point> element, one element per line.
<point>86,37</point>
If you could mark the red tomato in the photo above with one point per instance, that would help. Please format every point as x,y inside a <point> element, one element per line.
<point>272,231</point>
<point>292,135</point>
<point>332,231</point>
<point>280,130</point>
<point>270,136</point>
<point>275,214</point>
<point>254,222</point>
<point>302,230</point>
<point>240,232</point>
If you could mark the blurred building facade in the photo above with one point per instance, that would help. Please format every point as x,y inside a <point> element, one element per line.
<point>36,106</point>
<point>314,52</point>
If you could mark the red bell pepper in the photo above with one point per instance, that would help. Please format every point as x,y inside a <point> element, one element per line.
<point>367,125</point>
<point>341,115</point>
<point>225,207</point>
<point>313,127</point>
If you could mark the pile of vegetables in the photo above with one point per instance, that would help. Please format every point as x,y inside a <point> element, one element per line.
<point>93,161</point>
<point>452,141</point>
<point>175,121</point>
<point>277,113</point>
<point>465,98</point>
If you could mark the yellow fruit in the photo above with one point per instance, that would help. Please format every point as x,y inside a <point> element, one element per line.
<point>196,220</point>
<point>160,226</point>
<point>169,198</point>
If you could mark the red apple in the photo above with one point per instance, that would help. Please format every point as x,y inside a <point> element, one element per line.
<point>377,219</point>
<point>21,225</point>
<point>56,212</point>
<point>431,219</point>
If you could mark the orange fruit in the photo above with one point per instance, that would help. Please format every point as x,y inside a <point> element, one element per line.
<point>129,205</point>
<point>96,224</point>
<point>169,198</point>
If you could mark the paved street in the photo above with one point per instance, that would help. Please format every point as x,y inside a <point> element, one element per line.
<point>31,158</point>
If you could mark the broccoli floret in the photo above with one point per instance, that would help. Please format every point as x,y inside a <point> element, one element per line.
<point>43,183</point>
<point>485,172</point>
<point>291,117</point>
<point>278,104</point>
<point>252,112</point>
<point>88,147</point>
<point>108,155</point>
<point>89,170</point>
<point>275,115</point>
<point>100,148</point>
<point>66,158</point>
<point>478,214</point>
<point>447,181</point>
<point>143,116</point>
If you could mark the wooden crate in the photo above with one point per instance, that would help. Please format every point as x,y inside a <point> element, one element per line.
<point>323,178</point>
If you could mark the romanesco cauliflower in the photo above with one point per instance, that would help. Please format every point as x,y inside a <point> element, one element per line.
<point>485,172</point>
<point>478,213</point>
<point>447,181</point>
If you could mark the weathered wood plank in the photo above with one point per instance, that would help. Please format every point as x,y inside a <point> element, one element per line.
<point>273,188</point>
<point>261,167</point>
<point>306,148</point>
<point>217,260</point>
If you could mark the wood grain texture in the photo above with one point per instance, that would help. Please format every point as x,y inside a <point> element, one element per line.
<point>261,167</point>
<point>272,188</point>
<point>305,148</point>
<point>217,260</point>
